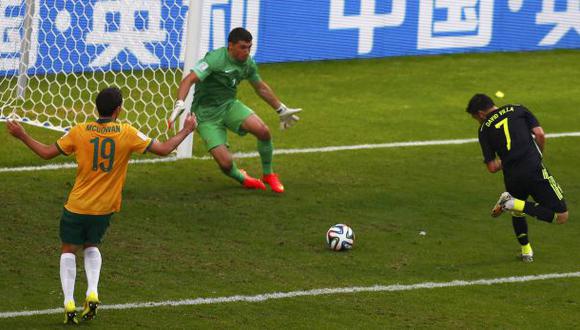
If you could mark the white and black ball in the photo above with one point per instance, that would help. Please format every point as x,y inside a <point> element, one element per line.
<point>340,237</point>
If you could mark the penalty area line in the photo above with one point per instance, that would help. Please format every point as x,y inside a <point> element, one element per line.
<point>281,152</point>
<point>309,293</point>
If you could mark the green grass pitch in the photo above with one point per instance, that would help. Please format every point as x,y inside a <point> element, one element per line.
<point>186,231</point>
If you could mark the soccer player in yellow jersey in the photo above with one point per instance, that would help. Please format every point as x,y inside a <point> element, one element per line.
<point>102,150</point>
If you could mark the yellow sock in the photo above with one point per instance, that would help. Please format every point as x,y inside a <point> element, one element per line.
<point>519,205</point>
<point>527,249</point>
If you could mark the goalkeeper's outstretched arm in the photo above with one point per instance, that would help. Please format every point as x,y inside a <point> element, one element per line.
<point>288,117</point>
<point>41,149</point>
<point>184,87</point>
<point>266,93</point>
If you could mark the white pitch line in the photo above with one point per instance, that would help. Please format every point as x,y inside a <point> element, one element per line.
<point>283,152</point>
<point>74,165</point>
<point>382,146</point>
<point>309,293</point>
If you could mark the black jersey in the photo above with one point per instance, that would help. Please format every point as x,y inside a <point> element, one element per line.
<point>507,132</point>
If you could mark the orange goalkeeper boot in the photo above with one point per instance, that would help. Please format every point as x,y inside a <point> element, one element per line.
<point>252,183</point>
<point>274,182</point>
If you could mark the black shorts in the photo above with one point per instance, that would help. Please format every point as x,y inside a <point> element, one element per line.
<point>79,229</point>
<point>539,184</point>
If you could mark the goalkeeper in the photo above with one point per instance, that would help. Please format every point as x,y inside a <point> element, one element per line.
<point>217,77</point>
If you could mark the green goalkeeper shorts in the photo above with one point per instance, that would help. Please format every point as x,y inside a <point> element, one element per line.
<point>231,115</point>
<point>79,229</point>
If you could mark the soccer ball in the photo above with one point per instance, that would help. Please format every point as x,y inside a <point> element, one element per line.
<point>340,237</point>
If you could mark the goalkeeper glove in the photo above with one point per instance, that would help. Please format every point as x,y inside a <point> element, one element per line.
<point>287,116</point>
<point>177,111</point>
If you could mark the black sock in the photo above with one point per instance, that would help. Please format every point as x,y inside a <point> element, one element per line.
<point>540,212</point>
<point>521,229</point>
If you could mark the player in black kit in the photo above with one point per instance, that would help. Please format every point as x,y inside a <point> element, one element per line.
<point>514,134</point>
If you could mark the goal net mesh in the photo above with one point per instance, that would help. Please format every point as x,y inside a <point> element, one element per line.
<point>56,55</point>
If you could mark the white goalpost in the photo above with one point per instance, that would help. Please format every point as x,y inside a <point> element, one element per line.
<point>55,57</point>
<point>192,54</point>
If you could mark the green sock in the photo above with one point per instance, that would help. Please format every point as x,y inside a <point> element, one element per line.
<point>236,174</point>
<point>266,151</point>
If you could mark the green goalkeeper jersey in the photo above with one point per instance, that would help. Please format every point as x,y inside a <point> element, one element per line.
<point>219,76</point>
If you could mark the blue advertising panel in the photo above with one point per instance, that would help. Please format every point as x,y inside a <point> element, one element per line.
<point>89,35</point>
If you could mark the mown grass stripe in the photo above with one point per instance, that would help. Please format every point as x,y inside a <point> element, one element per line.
<point>314,292</point>
<point>281,152</point>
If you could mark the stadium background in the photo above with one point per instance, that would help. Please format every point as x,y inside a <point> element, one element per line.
<point>296,30</point>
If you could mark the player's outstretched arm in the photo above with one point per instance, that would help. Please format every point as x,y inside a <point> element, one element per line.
<point>165,148</point>
<point>184,87</point>
<point>540,137</point>
<point>41,149</point>
<point>266,93</point>
<point>288,117</point>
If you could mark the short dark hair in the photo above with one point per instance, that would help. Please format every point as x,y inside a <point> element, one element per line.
<point>479,102</point>
<point>108,100</point>
<point>239,34</point>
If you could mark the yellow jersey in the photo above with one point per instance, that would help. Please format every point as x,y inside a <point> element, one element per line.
<point>102,150</point>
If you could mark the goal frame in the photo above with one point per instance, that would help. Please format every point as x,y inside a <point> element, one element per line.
<point>192,55</point>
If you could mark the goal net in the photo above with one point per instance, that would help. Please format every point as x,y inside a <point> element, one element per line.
<point>56,55</point>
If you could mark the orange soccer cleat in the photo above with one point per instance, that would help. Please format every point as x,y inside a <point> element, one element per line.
<point>252,183</point>
<point>274,182</point>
